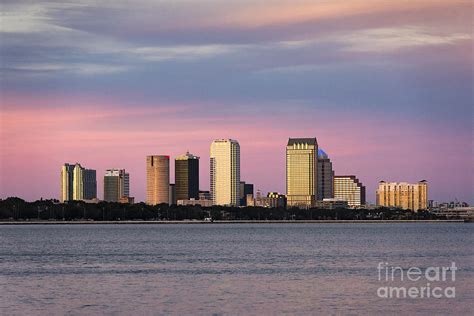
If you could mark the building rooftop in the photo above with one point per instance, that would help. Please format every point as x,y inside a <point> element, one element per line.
<point>186,156</point>
<point>309,141</point>
<point>225,140</point>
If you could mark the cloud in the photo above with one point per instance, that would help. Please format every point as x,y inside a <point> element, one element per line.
<point>86,69</point>
<point>183,52</point>
<point>390,39</point>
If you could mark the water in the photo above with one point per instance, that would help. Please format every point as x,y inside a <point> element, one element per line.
<point>257,269</point>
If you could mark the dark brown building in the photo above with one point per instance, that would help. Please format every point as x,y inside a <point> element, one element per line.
<point>187,177</point>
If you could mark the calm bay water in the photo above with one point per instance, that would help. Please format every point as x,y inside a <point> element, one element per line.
<point>256,269</point>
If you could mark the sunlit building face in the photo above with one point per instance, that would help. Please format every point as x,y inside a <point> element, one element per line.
<point>301,172</point>
<point>225,172</point>
<point>350,189</point>
<point>157,179</point>
<point>403,195</point>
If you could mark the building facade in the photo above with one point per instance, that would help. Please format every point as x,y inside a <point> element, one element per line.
<point>225,172</point>
<point>301,172</point>
<point>332,204</point>
<point>194,202</point>
<point>325,177</point>
<point>77,183</point>
<point>157,179</point>
<point>172,192</point>
<point>116,185</point>
<point>67,183</point>
<point>205,195</point>
<point>245,189</point>
<point>186,175</point>
<point>350,189</point>
<point>403,195</point>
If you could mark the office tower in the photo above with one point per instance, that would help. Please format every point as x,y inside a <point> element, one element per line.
<point>301,172</point>
<point>225,172</point>
<point>90,184</point>
<point>403,195</point>
<point>245,189</point>
<point>157,179</point>
<point>186,175</point>
<point>325,176</point>
<point>77,183</point>
<point>67,182</point>
<point>116,185</point>
<point>350,189</point>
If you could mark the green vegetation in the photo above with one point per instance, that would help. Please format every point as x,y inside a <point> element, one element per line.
<point>18,209</point>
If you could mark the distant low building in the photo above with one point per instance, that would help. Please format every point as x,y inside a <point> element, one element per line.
<point>127,200</point>
<point>455,212</point>
<point>205,195</point>
<point>332,204</point>
<point>203,203</point>
<point>403,195</point>
<point>272,200</point>
<point>92,201</point>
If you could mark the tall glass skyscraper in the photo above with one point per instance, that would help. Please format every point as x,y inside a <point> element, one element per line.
<point>186,177</point>
<point>225,172</point>
<point>77,183</point>
<point>301,172</point>
<point>157,179</point>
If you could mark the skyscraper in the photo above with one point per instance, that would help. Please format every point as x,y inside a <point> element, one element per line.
<point>116,185</point>
<point>157,179</point>
<point>350,189</point>
<point>404,195</point>
<point>90,184</point>
<point>67,182</point>
<point>186,175</point>
<point>301,172</point>
<point>77,183</point>
<point>225,172</point>
<point>325,176</point>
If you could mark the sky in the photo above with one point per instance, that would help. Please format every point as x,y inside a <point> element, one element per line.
<point>385,86</point>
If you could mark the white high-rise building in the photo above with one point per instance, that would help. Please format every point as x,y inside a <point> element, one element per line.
<point>225,172</point>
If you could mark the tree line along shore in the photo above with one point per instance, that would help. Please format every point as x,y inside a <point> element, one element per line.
<point>16,209</point>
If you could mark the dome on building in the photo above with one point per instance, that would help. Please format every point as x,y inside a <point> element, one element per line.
<point>322,154</point>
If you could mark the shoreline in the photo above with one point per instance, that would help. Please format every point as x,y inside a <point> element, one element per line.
<point>46,222</point>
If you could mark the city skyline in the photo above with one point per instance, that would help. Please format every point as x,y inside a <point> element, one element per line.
<point>388,94</point>
<point>319,155</point>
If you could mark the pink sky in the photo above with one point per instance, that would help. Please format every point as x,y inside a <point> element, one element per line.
<point>384,85</point>
<point>36,142</point>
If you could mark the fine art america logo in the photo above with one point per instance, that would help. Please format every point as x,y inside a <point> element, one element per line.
<point>416,282</point>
